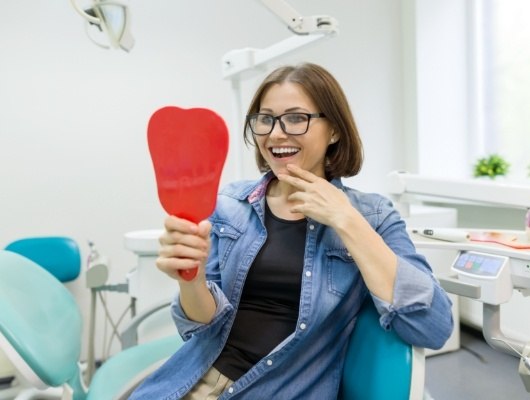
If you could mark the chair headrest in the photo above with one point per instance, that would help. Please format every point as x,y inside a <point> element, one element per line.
<point>57,254</point>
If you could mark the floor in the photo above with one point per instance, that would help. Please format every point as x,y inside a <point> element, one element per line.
<point>474,372</point>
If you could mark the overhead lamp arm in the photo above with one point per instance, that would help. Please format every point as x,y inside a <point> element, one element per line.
<point>84,14</point>
<point>296,22</point>
<point>307,29</point>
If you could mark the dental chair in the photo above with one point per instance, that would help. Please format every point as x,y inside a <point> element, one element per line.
<point>41,329</point>
<point>379,365</point>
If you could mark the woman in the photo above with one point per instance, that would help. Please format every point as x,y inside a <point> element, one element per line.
<point>286,262</point>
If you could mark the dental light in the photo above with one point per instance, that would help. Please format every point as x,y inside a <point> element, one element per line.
<point>107,21</point>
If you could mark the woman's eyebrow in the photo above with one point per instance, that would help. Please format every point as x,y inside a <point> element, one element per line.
<point>295,109</point>
<point>291,109</point>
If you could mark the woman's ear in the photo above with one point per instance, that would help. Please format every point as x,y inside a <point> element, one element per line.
<point>334,137</point>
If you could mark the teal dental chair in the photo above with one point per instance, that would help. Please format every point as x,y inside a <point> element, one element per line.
<point>379,365</point>
<point>40,332</point>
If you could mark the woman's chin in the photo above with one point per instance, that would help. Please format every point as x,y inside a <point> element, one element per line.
<point>280,170</point>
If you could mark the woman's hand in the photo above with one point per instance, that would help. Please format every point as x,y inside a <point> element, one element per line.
<point>316,198</point>
<point>320,200</point>
<point>184,245</point>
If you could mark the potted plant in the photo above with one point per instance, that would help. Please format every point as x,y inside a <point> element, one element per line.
<point>491,167</point>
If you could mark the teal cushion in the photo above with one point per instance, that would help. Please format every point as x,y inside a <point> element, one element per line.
<point>118,371</point>
<point>378,363</point>
<point>58,255</point>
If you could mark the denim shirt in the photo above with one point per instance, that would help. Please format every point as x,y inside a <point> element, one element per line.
<point>307,364</point>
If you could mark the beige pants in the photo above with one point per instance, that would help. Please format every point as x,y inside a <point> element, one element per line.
<point>210,387</point>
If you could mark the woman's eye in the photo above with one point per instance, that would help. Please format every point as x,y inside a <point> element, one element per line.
<point>265,119</point>
<point>296,118</point>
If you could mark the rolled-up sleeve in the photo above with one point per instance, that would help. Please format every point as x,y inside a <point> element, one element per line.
<point>413,290</point>
<point>419,310</point>
<point>187,328</point>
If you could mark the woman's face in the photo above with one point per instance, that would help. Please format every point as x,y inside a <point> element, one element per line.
<point>278,148</point>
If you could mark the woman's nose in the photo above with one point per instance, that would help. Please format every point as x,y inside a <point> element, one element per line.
<point>277,130</point>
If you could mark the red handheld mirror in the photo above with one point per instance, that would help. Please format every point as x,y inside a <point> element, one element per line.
<point>188,148</point>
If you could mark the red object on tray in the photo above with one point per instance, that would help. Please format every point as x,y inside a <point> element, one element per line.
<point>188,148</point>
<point>500,238</point>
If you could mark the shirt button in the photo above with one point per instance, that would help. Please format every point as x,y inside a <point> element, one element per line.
<point>230,390</point>
<point>269,362</point>
<point>303,326</point>
<point>222,230</point>
<point>311,226</point>
<point>308,273</point>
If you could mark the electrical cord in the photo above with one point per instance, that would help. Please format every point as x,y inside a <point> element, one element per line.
<point>94,258</point>
<point>115,325</point>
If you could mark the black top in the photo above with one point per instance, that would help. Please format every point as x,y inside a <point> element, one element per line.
<point>268,309</point>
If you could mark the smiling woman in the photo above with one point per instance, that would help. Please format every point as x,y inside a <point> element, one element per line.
<point>283,256</point>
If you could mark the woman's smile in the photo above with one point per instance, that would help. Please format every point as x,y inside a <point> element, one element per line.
<point>284,151</point>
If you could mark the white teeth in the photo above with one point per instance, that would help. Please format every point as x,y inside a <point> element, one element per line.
<point>283,150</point>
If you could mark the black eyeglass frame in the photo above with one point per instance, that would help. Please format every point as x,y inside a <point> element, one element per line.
<point>282,126</point>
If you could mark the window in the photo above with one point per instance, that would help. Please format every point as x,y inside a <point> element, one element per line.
<point>502,43</point>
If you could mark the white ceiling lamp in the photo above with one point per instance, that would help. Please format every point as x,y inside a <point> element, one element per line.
<point>107,24</point>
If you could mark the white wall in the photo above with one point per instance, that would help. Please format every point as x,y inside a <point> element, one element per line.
<point>439,122</point>
<point>73,155</point>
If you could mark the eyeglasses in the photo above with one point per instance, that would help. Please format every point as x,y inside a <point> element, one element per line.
<point>291,123</point>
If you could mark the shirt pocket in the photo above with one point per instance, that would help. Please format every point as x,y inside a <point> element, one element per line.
<point>227,236</point>
<point>341,271</point>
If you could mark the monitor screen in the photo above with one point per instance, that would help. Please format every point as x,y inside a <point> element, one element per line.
<point>479,264</point>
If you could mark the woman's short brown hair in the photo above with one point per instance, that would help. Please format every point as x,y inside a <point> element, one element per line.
<point>345,157</point>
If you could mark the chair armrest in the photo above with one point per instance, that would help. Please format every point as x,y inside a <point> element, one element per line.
<point>417,380</point>
<point>128,368</point>
<point>129,336</point>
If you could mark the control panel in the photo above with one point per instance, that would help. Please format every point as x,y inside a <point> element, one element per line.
<point>490,272</point>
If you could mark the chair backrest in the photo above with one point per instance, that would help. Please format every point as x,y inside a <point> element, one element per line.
<point>40,322</point>
<point>379,365</point>
<point>57,254</point>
